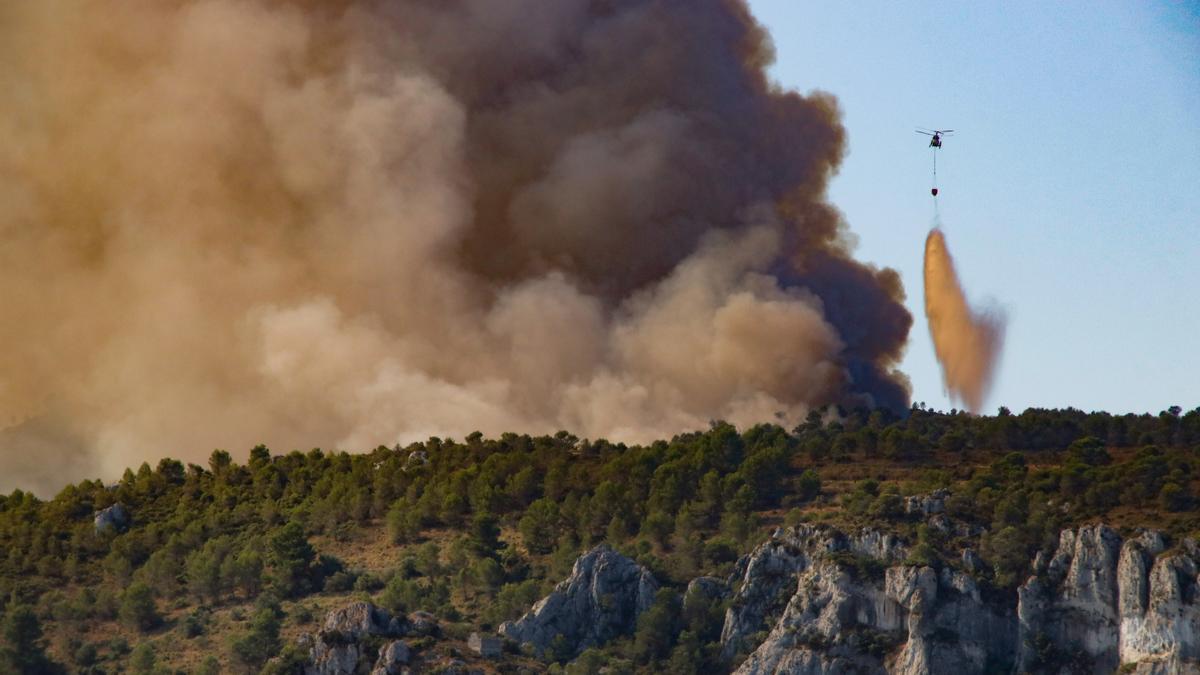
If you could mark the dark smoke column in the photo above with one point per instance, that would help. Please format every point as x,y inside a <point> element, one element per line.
<point>653,127</point>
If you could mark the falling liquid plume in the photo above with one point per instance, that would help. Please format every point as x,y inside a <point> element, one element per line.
<point>967,343</point>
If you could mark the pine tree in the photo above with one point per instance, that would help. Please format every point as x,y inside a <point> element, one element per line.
<point>291,560</point>
<point>25,651</point>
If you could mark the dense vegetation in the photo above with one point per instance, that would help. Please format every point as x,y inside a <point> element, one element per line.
<point>223,565</point>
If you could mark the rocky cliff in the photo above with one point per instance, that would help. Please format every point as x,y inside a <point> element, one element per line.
<point>817,601</point>
<point>599,601</point>
<point>814,600</point>
<point>852,605</point>
<point>1115,602</point>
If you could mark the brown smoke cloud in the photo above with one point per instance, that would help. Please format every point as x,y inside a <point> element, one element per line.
<point>350,223</point>
<point>967,343</point>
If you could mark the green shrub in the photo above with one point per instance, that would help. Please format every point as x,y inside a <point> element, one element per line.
<point>808,485</point>
<point>340,582</point>
<point>138,607</point>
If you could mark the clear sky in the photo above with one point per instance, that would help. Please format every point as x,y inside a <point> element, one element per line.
<point>1070,192</point>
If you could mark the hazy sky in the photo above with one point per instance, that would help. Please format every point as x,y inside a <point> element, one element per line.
<point>1070,194</point>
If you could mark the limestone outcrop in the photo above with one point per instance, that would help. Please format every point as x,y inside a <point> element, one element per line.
<point>599,601</point>
<point>767,578</point>
<point>1111,603</point>
<point>815,601</point>
<point>392,659</point>
<point>338,648</point>
<point>844,617</point>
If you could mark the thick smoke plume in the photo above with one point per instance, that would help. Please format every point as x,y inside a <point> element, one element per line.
<point>967,342</point>
<point>350,223</point>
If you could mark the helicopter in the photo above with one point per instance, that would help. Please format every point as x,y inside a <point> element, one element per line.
<point>937,134</point>
<point>935,142</point>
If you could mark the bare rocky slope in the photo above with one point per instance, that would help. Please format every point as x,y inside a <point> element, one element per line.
<point>813,600</point>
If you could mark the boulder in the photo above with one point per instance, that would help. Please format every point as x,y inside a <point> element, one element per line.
<point>601,600</point>
<point>423,623</point>
<point>392,659</point>
<point>115,517</point>
<point>362,618</point>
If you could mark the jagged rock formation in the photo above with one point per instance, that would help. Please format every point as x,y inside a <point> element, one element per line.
<point>851,608</point>
<point>599,601</point>
<point>337,649</point>
<point>836,603</point>
<point>768,576</point>
<point>392,659</point>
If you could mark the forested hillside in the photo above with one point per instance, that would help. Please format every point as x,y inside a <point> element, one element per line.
<point>221,568</point>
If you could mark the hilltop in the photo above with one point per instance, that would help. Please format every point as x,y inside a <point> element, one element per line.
<point>225,568</point>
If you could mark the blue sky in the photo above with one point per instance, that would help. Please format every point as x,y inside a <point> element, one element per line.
<point>1070,194</point>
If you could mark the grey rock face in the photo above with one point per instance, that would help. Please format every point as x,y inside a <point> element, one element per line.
<point>115,517</point>
<point>337,648</point>
<point>1167,630</point>
<point>766,579</point>
<point>1097,600</point>
<point>392,659</point>
<point>815,633</point>
<point>359,619</point>
<point>332,658</point>
<point>1074,607</point>
<point>1118,603</point>
<point>911,621</point>
<point>599,601</point>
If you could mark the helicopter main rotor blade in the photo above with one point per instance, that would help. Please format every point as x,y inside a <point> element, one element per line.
<point>927,133</point>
